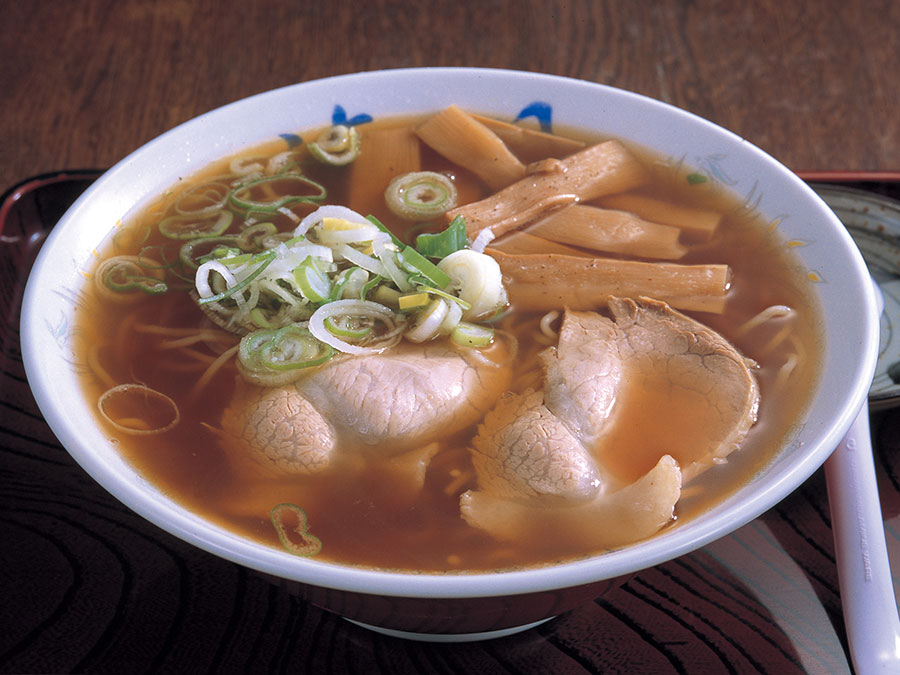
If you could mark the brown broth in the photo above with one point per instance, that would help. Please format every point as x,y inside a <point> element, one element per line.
<point>357,512</point>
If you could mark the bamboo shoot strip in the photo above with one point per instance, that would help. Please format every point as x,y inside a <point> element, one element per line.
<point>548,282</point>
<point>530,145</point>
<point>523,242</point>
<point>383,152</point>
<point>457,136</point>
<point>610,231</point>
<point>599,170</point>
<point>699,222</point>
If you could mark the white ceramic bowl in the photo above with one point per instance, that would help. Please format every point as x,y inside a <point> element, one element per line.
<point>476,604</point>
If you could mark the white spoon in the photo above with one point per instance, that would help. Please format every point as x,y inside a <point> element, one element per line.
<point>864,571</point>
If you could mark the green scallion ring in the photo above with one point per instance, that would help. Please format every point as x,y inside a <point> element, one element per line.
<point>311,192</point>
<point>288,348</point>
<point>471,335</point>
<point>192,227</point>
<point>263,260</point>
<point>203,201</point>
<point>292,529</point>
<point>294,348</point>
<point>191,258</point>
<point>337,146</point>
<point>348,327</point>
<point>251,237</point>
<point>420,195</point>
<point>125,278</point>
<point>314,284</point>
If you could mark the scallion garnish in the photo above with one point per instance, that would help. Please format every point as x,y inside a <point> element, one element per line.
<point>293,532</point>
<point>471,335</point>
<point>192,227</point>
<point>416,262</point>
<point>124,274</point>
<point>307,190</point>
<point>263,260</point>
<point>337,146</point>
<point>381,226</point>
<point>352,328</point>
<point>442,244</point>
<point>313,283</point>
<point>420,195</point>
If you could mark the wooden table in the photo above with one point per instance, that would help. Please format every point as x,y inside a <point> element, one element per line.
<point>87,586</point>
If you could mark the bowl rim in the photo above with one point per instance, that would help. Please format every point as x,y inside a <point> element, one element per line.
<point>337,576</point>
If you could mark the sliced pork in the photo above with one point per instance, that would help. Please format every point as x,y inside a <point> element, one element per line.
<point>399,401</point>
<point>632,406</point>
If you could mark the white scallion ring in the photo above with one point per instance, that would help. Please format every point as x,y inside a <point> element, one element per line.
<point>420,195</point>
<point>428,322</point>
<point>359,308</point>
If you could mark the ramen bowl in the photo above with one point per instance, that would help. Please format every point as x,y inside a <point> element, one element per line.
<point>477,604</point>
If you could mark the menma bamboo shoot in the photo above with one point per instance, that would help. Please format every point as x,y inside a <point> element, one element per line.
<point>599,170</point>
<point>465,141</point>
<point>610,231</point>
<point>524,242</point>
<point>699,222</point>
<point>543,282</point>
<point>530,145</point>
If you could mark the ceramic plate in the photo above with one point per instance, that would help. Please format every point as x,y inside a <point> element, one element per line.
<point>874,223</point>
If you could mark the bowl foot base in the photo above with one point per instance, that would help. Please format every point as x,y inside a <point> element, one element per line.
<point>450,637</point>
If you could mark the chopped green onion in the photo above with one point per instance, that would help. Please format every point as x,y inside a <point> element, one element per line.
<point>357,308</point>
<point>412,300</point>
<point>314,284</point>
<point>337,146</point>
<point>289,348</point>
<point>259,319</point>
<point>428,322</point>
<point>416,262</point>
<point>400,278</point>
<point>369,285</point>
<point>292,348</point>
<point>190,227</point>
<point>123,274</point>
<point>292,529</point>
<point>145,260</point>
<point>696,178</point>
<point>349,283</point>
<point>204,200</point>
<point>381,226</point>
<point>191,258</point>
<point>446,296</point>
<point>452,319</point>
<point>387,296</point>
<point>420,195</point>
<point>352,327</point>
<point>442,244</point>
<point>471,335</point>
<point>253,235</point>
<point>230,257</point>
<point>265,259</point>
<point>242,196</point>
<point>134,282</point>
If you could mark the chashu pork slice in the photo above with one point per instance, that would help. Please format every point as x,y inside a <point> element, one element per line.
<point>540,456</point>
<point>649,398</point>
<point>688,392</point>
<point>399,400</point>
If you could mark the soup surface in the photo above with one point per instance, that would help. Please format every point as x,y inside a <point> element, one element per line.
<point>376,505</point>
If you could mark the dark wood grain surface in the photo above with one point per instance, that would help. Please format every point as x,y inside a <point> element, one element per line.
<point>87,586</point>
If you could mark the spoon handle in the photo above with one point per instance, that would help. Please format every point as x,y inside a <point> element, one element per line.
<point>864,572</point>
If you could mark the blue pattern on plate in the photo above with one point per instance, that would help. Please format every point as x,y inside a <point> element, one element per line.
<point>291,139</point>
<point>541,111</point>
<point>339,116</point>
